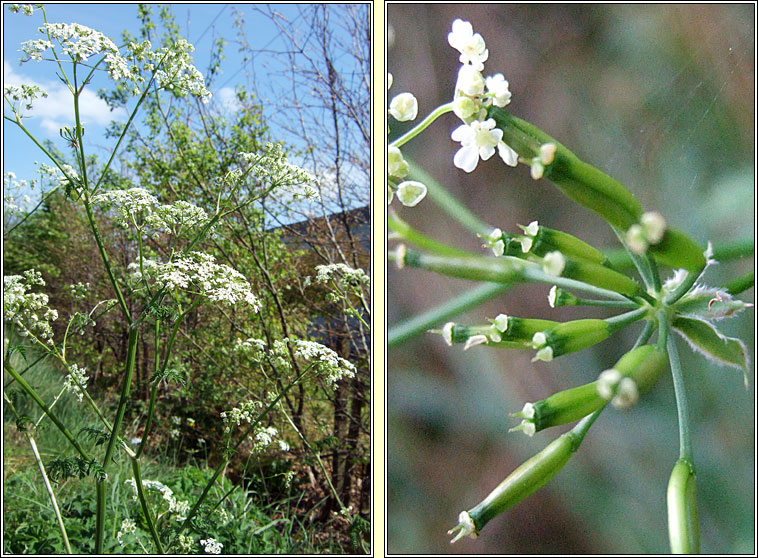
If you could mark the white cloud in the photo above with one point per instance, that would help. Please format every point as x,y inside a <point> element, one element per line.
<point>57,110</point>
<point>227,99</point>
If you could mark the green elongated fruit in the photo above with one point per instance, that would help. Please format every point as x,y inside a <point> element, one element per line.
<point>565,406</point>
<point>528,477</point>
<point>477,268</point>
<point>678,250</point>
<point>583,183</point>
<point>644,365</point>
<point>570,337</point>
<point>547,240</point>
<point>600,276</point>
<point>681,502</point>
<point>517,336</point>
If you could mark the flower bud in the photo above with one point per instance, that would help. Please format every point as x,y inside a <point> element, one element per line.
<point>404,107</point>
<point>527,478</point>
<point>397,165</point>
<point>410,192</point>
<point>681,501</point>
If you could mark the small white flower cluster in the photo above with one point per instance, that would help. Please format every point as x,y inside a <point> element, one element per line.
<point>76,381</point>
<point>134,205</point>
<point>79,43</point>
<point>137,207</point>
<point>254,348</point>
<point>27,9</point>
<point>26,309</point>
<point>79,290</point>
<point>262,436</point>
<point>345,276</point>
<point>273,168</point>
<point>211,546</point>
<point>477,135</point>
<point>246,412</point>
<point>178,508</point>
<point>127,526</point>
<point>329,364</point>
<point>24,94</point>
<point>198,272</point>
<point>620,390</point>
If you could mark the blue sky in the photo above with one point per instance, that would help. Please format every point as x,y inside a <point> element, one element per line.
<point>201,24</point>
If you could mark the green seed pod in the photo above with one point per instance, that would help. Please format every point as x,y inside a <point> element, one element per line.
<point>644,365</point>
<point>600,276</point>
<point>678,250</point>
<point>547,240</point>
<point>521,329</point>
<point>681,501</point>
<point>522,482</point>
<point>560,408</point>
<point>580,181</point>
<point>473,335</point>
<point>569,337</point>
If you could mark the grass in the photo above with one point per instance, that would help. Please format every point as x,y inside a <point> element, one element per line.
<point>251,519</point>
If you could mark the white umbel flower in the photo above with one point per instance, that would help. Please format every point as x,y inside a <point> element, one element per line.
<point>477,139</point>
<point>471,45</point>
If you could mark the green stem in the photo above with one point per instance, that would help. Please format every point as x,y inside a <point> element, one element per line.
<point>447,203</point>
<point>685,443</point>
<point>144,506</point>
<point>623,320</point>
<point>646,333</point>
<point>104,257</point>
<point>582,427</point>
<point>404,331</point>
<point>100,501</point>
<point>409,234</point>
<point>682,289</point>
<point>423,125</point>
<point>101,495</point>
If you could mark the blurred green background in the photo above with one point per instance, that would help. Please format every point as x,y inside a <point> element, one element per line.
<point>662,98</point>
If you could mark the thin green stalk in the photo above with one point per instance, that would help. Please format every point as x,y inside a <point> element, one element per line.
<point>682,289</point>
<point>446,202</point>
<point>646,333</point>
<point>423,125</point>
<point>144,506</point>
<point>667,340</point>
<point>404,331</point>
<point>50,493</point>
<point>153,391</point>
<point>104,257</point>
<point>33,394</point>
<point>409,234</point>
<point>623,320</point>
<point>606,303</point>
<point>582,427</point>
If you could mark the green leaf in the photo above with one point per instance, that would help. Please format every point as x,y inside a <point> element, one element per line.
<point>706,339</point>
